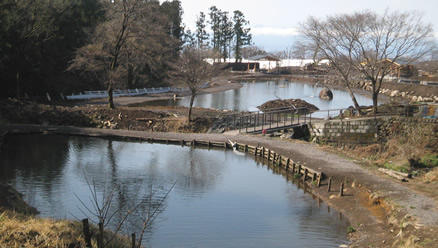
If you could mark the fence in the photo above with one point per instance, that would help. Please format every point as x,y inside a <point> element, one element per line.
<point>129,92</point>
<point>275,119</point>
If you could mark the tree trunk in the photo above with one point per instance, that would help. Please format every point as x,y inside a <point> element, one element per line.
<point>110,97</point>
<point>192,99</point>
<point>353,98</point>
<point>375,96</point>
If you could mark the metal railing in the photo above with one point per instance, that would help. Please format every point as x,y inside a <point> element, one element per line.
<point>257,121</point>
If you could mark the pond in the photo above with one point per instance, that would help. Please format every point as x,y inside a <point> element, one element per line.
<point>255,93</point>
<point>220,198</point>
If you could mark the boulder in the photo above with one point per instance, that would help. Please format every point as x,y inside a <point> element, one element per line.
<point>326,94</point>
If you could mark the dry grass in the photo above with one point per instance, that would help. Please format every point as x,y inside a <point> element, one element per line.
<point>18,230</point>
<point>432,176</point>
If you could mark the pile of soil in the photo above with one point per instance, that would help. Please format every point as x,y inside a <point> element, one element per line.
<point>303,106</point>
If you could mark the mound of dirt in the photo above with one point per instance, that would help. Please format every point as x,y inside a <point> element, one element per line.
<point>303,106</point>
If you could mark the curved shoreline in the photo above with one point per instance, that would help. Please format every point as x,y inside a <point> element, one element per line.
<point>367,214</point>
<point>377,207</point>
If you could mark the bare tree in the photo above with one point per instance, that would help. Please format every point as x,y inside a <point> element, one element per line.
<point>193,70</point>
<point>132,38</point>
<point>369,44</point>
<point>140,210</point>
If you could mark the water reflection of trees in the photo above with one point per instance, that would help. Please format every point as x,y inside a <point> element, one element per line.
<point>139,192</point>
<point>196,170</point>
<point>32,159</point>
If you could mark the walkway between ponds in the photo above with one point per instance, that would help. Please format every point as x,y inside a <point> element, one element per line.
<point>421,207</point>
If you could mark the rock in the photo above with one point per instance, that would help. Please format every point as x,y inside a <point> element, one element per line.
<point>395,93</point>
<point>326,94</point>
<point>114,126</point>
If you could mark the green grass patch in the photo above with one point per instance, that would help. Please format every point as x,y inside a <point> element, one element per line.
<point>351,229</point>
<point>429,161</point>
<point>396,167</point>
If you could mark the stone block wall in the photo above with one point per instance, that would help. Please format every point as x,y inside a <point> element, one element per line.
<point>368,130</point>
<point>363,131</point>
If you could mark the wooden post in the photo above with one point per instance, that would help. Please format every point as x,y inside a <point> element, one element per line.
<point>293,168</point>
<point>279,160</point>
<point>269,154</point>
<point>287,163</point>
<point>133,240</point>
<point>209,144</point>
<point>299,169</point>
<point>305,175</point>
<point>313,176</point>
<point>182,142</point>
<point>329,184</point>
<point>263,152</point>
<point>255,151</point>
<point>318,183</point>
<point>245,149</point>
<point>86,230</point>
<point>341,191</point>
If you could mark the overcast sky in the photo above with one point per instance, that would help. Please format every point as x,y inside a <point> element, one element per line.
<point>273,22</point>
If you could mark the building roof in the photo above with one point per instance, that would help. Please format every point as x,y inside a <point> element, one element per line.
<point>266,57</point>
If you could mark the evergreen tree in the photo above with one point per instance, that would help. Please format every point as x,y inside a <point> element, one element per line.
<point>201,32</point>
<point>242,37</point>
<point>174,25</point>
<point>226,34</point>
<point>215,22</point>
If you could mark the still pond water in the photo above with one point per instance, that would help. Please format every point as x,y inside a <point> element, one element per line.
<point>255,93</point>
<point>221,198</point>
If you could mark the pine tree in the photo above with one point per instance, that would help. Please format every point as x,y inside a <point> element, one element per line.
<point>201,33</point>
<point>242,37</point>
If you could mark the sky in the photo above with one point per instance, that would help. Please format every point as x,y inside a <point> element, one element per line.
<point>273,23</point>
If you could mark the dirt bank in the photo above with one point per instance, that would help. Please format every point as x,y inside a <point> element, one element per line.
<point>384,212</point>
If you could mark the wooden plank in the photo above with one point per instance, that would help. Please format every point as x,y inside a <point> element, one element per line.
<point>393,174</point>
